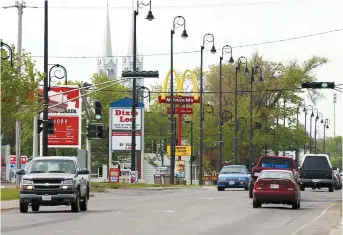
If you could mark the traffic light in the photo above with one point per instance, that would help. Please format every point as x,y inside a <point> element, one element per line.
<point>140,74</point>
<point>91,131</point>
<point>101,131</point>
<point>51,127</point>
<point>98,110</point>
<point>40,126</point>
<point>318,85</point>
<point>96,131</point>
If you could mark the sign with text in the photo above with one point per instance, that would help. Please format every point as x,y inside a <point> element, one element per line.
<point>66,131</point>
<point>179,100</point>
<point>13,159</point>
<point>122,119</point>
<point>122,141</point>
<point>181,110</point>
<point>67,117</point>
<point>181,150</point>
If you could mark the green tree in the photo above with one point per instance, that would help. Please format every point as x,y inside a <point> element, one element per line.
<point>333,147</point>
<point>19,95</point>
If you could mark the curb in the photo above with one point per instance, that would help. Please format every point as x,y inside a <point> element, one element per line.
<point>17,207</point>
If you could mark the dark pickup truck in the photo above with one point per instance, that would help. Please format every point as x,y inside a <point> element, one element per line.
<point>316,172</point>
<point>54,181</point>
<point>271,162</point>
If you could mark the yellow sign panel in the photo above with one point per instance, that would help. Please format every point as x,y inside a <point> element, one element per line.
<point>181,150</point>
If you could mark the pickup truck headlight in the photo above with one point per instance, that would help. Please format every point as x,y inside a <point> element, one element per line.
<point>67,182</point>
<point>27,182</point>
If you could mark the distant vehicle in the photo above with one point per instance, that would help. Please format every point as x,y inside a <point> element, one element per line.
<point>54,181</point>
<point>271,162</point>
<point>233,176</point>
<point>276,187</point>
<point>338,180</point>
<point>316,172</point>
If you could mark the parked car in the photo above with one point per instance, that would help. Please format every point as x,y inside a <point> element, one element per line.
<point>54,181</point>
<point>233,176</point>
<point>271,162</point>
<point>316,172</point>
<point>276,187</point>
<point>338,181</point>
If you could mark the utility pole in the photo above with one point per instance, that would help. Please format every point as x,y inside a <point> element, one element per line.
<point>334,114</point>
<point>20,5</point>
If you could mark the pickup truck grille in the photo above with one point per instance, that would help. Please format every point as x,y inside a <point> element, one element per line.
<point>49,187</point>
<point>49,181</point>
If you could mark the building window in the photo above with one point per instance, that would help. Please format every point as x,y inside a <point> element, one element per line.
<point>195,172</point>
<point>126,68</point>
<point>101,71</point>
<point>137,68</point>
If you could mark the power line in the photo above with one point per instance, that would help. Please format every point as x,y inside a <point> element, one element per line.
<point>193,6</point>
<point>197,51</point>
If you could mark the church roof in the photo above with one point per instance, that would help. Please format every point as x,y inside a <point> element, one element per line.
<point>107,47</point>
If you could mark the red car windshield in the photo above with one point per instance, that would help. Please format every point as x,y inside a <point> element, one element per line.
<point>276,162</point>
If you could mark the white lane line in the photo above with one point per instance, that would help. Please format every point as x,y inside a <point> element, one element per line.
<point>169,211</point>
<point>311,222</point>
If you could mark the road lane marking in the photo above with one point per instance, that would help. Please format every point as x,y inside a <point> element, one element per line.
<point>311,222</point>
<point>169,211</point>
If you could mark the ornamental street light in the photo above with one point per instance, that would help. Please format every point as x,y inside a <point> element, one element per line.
<point>225,50</point>
<point>306,108</point>
<point>314,111</point>
<point>178,21</point>
<point>319,116</point>
<point>149,17</point>
<point>326,126</point>
<point>207,38</point>
<point>252,79</point>
<point>57,68</point>
<point>241,61</point>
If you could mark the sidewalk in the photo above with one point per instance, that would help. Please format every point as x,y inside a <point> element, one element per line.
<point>9,205</point>
<point>337,230</point>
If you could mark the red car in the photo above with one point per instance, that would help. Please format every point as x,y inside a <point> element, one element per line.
<point>271,162</point>
<point>276,187</point>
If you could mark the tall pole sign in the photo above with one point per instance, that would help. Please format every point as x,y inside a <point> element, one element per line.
<point>180,100</point>
<point>120,128</point>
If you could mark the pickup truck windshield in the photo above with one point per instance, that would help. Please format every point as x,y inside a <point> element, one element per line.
<point>315,163</point>
<point>276,162</point>
<point>52,166</point>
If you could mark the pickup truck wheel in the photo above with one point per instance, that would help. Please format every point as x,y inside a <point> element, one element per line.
<point>331,188</point>
<point>24,207</point>
<point>35,207</point>
<point>84,203</point>
<point>75,206</point>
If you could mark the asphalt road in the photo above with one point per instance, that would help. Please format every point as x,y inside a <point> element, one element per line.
<point>177,212</point>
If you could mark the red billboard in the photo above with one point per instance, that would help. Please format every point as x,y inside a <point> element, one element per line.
<point>66,131</point>
<point>66,116</point>
<point>13,160</point>
<point>181,110</point>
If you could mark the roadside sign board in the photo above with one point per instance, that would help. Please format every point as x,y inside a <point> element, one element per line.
<point>181,110</point>
<point>180,150</point>
<point>179,100</point>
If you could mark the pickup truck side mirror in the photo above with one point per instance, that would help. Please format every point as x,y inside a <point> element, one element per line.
<point>334,168</point>
<point>83,172</point>
<point>20,172</point>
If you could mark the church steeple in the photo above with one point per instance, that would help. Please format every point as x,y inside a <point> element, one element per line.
<point>128,59</point>
<point>107,63</point>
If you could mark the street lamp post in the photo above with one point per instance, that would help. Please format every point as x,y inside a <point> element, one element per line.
<point>57,68</point>
<point>178,21</point>
<point>191,159</point>
<point>241,60</point>
<point>319,115</point>
<point>149,17</point>
<point>10,52</point>
<point>224,117</point>
<point>207,38</point>
<point>326,126</point>
<point>250,110</point>
<point>226,49</point>
<point>312,115</point>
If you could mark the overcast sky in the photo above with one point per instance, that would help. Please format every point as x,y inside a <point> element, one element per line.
<point>76,29</point>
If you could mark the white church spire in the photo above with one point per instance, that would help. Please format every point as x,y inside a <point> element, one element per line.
<point>128,59</point>
<point>107,63</point>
